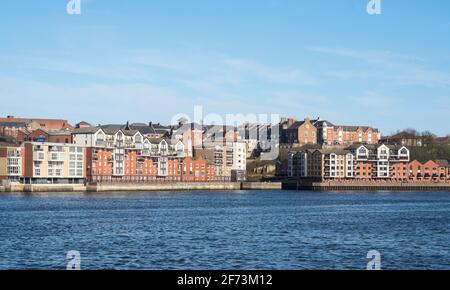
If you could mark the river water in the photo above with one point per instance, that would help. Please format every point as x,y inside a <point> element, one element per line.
<point>225,230</point>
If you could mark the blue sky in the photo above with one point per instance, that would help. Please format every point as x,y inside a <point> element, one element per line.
<point>143,60</point>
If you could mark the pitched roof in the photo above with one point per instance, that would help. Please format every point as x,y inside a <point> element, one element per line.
<point>205,154</point>
<point>83,123</point>
<point>404,135</point>
<point>338,151</point>
<point>155,140</point>
<point>322,123</point>
<point>50,124</point>
<point>89,130</point>
<point>59,133</point>
<point>130,132</point>
<point>355,128</point>
<point>296,125</point>
<point>14,124</point>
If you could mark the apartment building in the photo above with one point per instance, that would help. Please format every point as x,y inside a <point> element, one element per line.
<point>127,156</point>
<point>321,164</point>
<point>379,161</point>
<point>330,134</point>
<point>53,163</point>
<point>200,168</point>
<point>11,163</point>
<point>359,162</point>
<point>16,130</point>
<point>230,160</point>
<point>429,171</point>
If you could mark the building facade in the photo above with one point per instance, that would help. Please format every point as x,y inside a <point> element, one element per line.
<point>358,162</point>
<point>11,163</point>
<point>330,134</point>
<point>116,155</point>
<point>302,133</point>
<point>53,163</point>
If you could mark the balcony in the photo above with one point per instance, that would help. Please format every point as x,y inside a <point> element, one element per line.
<point>100,143</point>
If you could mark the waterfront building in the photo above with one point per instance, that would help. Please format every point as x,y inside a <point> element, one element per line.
<point>356,162</point>
<point>379,161</point>
<point>200,168</point>
<point>11,163</point>
<point>428,171</point>
<point>321,164</point>
<point>127,156</point>
<point>53,163</point>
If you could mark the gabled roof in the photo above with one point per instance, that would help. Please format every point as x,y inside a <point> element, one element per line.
<point>155,140</point>
<point>130,132</point>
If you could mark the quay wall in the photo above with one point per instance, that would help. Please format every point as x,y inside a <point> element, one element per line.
<point>330,186</point>
<point>105,187</point>
<point>261,185</point>
<point>44,188</point>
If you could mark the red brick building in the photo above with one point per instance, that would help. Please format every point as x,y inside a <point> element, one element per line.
<point>46,124</point>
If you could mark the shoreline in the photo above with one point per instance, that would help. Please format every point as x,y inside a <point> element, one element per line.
<point>336,186</point>
<point>114,187</point>
<point>229,186</point>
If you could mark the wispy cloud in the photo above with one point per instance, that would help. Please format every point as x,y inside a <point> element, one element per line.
<point>397,69</point>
